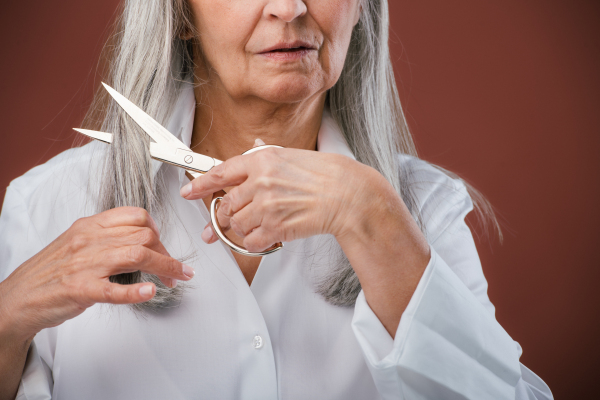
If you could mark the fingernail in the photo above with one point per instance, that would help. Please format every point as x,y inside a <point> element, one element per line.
<point>173,283</point>
<point>186,190</point>
<point>258,142</point>
<point>207,234</point>
<point>188,271</point>
<point>146,290</point>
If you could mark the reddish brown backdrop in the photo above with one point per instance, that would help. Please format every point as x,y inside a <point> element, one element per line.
<point>504,93</point>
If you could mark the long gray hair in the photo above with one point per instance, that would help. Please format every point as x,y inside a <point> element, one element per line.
<point>149,59</point>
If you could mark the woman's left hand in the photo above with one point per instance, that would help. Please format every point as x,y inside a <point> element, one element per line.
<point>280,195</point>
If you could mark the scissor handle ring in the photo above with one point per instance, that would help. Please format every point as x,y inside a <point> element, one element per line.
<point>258,148</point>
<point>238,249</point>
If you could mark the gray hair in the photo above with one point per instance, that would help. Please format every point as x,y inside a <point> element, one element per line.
<point>148,62</point>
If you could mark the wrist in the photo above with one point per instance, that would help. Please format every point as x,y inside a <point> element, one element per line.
<point>12,333</point>
<point>359,206</point>
<point>368,207</point>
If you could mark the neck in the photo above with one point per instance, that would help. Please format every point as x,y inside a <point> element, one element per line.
<point>225,127</point>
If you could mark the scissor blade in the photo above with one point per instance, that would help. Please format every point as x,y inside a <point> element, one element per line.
<point>195,164</point>
<point>155,130</point>
<point>185,159</point>
<point>101,136</point>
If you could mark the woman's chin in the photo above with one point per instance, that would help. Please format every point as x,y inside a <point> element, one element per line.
<point>289,90</point>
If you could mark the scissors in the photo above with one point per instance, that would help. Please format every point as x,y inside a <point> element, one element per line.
<point>168,149</point>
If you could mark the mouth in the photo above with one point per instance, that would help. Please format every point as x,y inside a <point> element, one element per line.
<point>301,48</point>
<point>291,50</point>
<point>286,50</point>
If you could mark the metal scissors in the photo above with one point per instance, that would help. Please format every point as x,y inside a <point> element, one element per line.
<point>168,149</point>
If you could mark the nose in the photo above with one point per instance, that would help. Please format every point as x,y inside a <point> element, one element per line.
<point>286,10</point>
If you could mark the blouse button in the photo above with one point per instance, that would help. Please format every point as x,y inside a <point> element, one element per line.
<point>257,342</point>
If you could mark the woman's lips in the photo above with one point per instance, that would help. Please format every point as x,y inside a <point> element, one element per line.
<point>288,51</point>
<point>292,54</point>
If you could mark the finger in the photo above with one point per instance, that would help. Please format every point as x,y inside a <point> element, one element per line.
<point>260,239</point>
<point>168,282</point>
<point>126,216</point>
<point>133,235</point>
<point>108,292</point>
<point>130,236</point>
<point>230,173</point>
<point>139,258</point>
<point>247,219</point>
<point>238,198</point>
<point>208,235</point>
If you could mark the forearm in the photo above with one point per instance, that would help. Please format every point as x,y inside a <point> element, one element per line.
<point>15,339</point>
<point>13,354</point>
<point>389,255</point>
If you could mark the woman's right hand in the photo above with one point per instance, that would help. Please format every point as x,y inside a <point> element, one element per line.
<point>72,273</point>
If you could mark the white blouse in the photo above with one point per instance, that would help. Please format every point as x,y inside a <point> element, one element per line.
<point>274,339</point>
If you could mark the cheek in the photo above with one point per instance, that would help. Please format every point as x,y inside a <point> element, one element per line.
<point>336,20</point>
<point>222,46</point>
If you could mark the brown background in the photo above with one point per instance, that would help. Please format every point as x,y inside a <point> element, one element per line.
<point>504,93</point>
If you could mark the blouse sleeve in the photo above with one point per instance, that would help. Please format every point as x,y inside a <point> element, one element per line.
<point>19,242</point>
<point>448,344</point>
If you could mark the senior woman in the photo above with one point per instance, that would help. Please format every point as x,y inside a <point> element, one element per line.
<point>378,292</point>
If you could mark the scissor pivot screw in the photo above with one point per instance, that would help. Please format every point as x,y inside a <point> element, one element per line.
<point>188,159</point>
